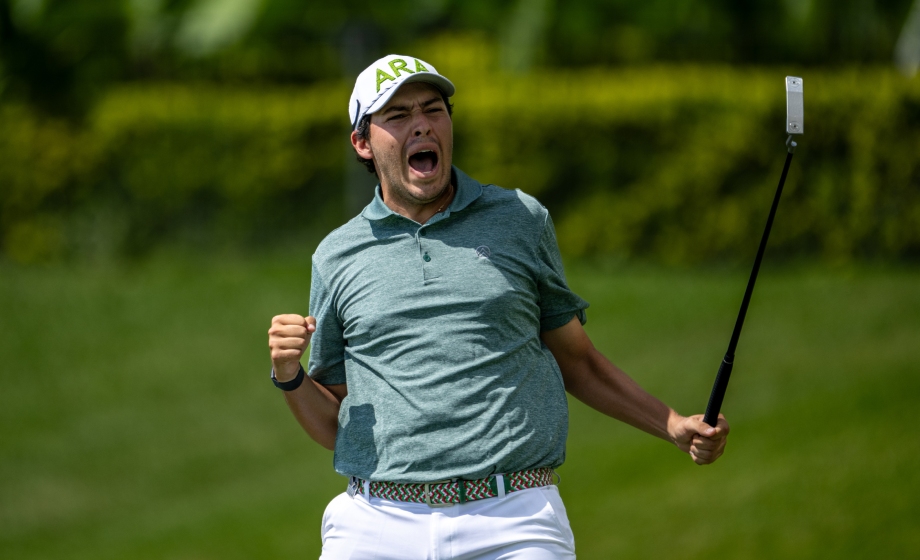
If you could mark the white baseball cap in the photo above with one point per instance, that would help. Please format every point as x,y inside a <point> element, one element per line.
<point>379,81</point>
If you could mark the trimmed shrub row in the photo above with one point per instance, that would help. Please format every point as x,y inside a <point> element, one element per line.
<point>676,164</point>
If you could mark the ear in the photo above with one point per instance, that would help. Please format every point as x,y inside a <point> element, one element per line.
<point>362,146</point>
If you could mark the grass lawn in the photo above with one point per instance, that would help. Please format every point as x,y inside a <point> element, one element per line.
<point>137,419</point>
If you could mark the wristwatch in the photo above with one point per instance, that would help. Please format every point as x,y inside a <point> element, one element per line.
<point>289,385</point>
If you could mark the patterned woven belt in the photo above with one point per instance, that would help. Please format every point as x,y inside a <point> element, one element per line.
<point>449,492</point>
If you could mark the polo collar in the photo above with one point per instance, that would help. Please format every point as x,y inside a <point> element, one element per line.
<point>468,190</point>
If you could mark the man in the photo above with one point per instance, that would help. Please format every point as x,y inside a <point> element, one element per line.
<point>444,337</point>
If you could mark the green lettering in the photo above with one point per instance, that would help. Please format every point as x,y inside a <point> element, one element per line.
<point>381,77</point>
<point>419,67</point>
<point>399,64</point>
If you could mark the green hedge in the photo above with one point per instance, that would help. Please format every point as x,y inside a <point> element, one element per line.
<point>162,164</point>
<point>676,164</point>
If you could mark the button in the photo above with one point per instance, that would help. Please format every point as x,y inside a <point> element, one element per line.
<point>426,257</point>
<point>423,232</point>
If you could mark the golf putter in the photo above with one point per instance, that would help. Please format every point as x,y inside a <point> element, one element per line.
<point>795,124</point>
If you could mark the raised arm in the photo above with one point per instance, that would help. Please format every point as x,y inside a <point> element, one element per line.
<point>315,406</point>
<point>594,380</point>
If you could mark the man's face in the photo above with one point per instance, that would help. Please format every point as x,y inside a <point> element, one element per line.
<point>411,142</point>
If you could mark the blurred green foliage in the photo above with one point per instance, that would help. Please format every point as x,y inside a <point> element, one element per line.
<point>60,55</point>
<point>165,164</point>
<point>677,164</point>
<point>129,124</point>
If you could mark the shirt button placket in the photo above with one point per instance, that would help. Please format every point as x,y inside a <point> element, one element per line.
<point>430,270</point>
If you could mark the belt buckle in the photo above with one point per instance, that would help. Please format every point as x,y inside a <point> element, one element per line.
<point>428,494</point>
<point>352,486</point>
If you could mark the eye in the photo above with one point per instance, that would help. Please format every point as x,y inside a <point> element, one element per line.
<point>396,116</point>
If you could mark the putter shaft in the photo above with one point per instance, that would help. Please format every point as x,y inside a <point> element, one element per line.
<point>725,369</point>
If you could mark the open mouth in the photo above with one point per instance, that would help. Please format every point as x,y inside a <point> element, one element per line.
<point>424,162</point>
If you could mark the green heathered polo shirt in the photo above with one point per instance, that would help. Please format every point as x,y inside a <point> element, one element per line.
<point>436,330</point>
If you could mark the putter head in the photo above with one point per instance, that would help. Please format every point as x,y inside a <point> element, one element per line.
<point>795,106</point>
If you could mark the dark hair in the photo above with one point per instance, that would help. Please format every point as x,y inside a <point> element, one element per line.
<point>364,133</point>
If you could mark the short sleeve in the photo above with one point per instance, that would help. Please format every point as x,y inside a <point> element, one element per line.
<point>327,346</point>
<point>558,304</point>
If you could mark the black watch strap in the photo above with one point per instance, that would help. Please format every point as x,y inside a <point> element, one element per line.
<point>292,384</point>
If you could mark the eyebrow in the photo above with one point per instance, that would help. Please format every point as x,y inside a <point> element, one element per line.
<point>424,104</point>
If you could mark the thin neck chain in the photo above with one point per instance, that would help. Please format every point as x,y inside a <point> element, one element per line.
<point>449,194</point>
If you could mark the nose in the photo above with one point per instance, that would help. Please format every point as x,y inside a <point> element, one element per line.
<point>420,124</point>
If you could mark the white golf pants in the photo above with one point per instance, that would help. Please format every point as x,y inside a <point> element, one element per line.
<point>529,524</point>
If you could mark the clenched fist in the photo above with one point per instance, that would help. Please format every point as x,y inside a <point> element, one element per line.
<point>288,338</point>
<point>704,443</point>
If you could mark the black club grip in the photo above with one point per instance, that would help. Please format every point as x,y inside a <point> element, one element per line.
<point>718,391</point>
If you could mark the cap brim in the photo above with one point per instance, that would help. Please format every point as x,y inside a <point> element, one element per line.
<point>440,82</point>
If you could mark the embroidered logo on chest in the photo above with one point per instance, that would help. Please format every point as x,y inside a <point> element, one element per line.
<point>483,252</point>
